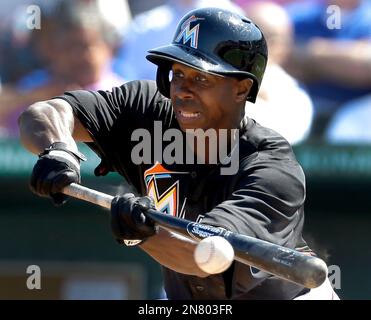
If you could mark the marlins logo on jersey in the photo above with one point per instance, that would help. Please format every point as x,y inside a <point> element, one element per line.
<point>163,187</point>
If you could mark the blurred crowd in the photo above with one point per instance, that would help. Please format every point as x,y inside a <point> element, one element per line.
<point>317,85</point>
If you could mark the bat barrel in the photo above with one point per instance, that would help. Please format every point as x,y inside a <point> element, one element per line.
<point>282,262</point>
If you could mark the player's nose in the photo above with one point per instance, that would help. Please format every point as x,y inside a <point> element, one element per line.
<point>182,90</point>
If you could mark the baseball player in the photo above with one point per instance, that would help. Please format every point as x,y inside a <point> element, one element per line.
<point>214,64</point>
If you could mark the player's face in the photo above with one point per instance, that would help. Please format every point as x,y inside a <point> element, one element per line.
<point>202,100</point>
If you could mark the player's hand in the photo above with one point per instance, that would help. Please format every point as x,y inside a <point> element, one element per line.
<point>128,221</point>
<point>56,168</point>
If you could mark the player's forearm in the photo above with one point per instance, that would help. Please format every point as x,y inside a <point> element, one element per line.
<point>46,122</point>
<point>174,252</point>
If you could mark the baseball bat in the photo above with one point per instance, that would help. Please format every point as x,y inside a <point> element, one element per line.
<point>286,263</point>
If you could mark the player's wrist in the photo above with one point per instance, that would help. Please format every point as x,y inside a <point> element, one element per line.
<point>63,150</point>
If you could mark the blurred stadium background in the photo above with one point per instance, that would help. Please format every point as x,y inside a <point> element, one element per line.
<point>73,245</point>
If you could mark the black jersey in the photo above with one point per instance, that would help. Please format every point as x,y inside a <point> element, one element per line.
<point>264,199</point>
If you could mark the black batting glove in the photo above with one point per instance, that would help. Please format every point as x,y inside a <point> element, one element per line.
<point>56,168</point>
<point>129,223</point>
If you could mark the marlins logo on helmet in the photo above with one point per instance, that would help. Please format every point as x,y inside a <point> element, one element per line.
<point>186,33</point>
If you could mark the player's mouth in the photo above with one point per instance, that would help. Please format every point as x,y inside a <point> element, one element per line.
<point>186,116</point>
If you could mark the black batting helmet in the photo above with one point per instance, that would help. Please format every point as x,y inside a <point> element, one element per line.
<point>215,41</point>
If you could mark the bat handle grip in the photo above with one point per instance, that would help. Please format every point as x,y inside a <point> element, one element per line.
<point>83,193</point>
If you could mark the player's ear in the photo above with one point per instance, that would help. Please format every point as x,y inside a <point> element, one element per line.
<point>243,88</point>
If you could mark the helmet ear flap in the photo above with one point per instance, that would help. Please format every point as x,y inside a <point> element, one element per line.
<point>162,79</point>
<point>253,92</point>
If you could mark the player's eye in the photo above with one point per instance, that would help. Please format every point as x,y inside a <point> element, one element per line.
<point>177,75</point>
<point>201,78</point>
